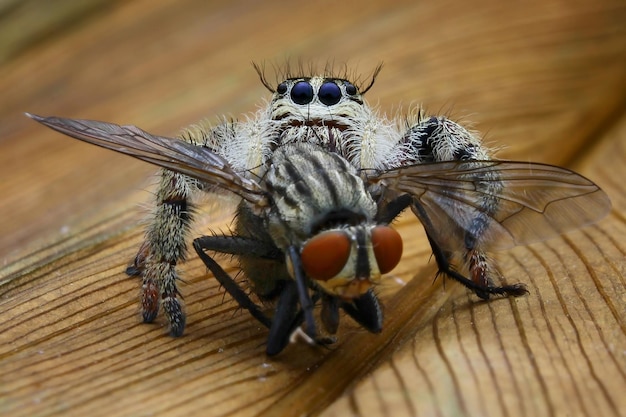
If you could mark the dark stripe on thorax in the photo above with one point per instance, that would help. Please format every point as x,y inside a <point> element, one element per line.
<point>362,269</point>
<point>325,178</point>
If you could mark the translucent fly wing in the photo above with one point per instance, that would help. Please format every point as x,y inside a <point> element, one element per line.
<point>497,204</point>
<point>196,161</point>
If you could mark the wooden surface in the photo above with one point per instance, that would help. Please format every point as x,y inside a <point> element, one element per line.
<point>544,79</point>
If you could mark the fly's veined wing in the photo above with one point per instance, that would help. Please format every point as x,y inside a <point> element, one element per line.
<point>196,161</point>
<point>498,204</point>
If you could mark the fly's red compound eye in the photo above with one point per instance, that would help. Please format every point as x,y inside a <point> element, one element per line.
<point>387,245</point>
<point>325,255</point>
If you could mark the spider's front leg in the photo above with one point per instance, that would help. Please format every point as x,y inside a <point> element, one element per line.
<point>165,241</point>
<point>438,139</point>
<point>164,246</point>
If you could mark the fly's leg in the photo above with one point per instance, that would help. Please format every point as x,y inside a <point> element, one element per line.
<point>481,288</point>
<point>437,139</point>
<point>236,246</point>
<point>163,248</point>
<point>286,319</point>
<point>329,313</point>
<point>366,311</point>
<point>302,288</point>
<point>287,316</point>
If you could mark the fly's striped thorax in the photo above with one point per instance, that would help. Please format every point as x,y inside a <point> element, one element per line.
<point>313,189</point>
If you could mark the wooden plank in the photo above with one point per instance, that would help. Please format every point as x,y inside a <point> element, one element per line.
<point>544,79</point>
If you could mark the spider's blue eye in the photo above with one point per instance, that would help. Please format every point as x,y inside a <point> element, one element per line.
<point>282,88</point>
<point>302,93</point>
<point>350,88</point>
<point>329,93</point>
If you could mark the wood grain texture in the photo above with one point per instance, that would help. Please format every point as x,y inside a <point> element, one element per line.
<point>546,81</point>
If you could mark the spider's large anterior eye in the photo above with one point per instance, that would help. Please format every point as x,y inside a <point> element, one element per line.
<point>329,93</point>
<point>302,93</point>
<point>350,89</point>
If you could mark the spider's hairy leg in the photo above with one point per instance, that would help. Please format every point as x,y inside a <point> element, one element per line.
<point>164,246</point>
<point>438,139</point>
<point>166,236</point>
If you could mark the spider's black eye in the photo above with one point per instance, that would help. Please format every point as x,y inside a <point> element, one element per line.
<point>302,93</point>
<point>350,88</point>
<point>282,88</point>
<point>329,93</point>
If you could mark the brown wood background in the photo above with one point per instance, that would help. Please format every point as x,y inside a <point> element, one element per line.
<point>544,79</point>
